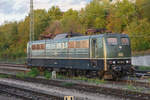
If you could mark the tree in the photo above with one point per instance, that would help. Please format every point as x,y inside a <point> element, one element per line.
<point>41,21</point>
<point>70,21</point>
<point>95,14</point>
<point>143,8</point>
<point>139,32</point>
<point>55,13</point>
<point>121,14</point>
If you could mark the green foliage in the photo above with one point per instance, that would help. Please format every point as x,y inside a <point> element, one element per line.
<point>95,14</point>
<point>143,7</point>
<point>70,21</point>
<point>4,76</point>
<point>55,13</point>
<point>144,68</point>
<point>41,21</point>
<point>134,88</point>
<point>121,14</point>
<point>127,17</point>
<point>90,80</point>
<point>149,81</point>
<point>139,32</point>
<point>21,75</point>
<point>47,74</point>
<point>33,73</point>
<point>60,76</point>
<point>96,81</point>
<point>67,84</point>
<point>131,87</point>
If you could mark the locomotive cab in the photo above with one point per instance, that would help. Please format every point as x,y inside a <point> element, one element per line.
<point>117,54</point>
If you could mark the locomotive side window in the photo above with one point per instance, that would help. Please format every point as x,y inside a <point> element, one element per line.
<point>79,44</point>
<point>112,41</point>
<point>124,41</point>
<point>71,44</point>
<point>99,43</point>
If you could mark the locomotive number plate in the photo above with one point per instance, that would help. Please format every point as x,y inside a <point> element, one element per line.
<point>120,54</point>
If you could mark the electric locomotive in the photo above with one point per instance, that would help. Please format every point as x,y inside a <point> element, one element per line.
<point>104,55</point>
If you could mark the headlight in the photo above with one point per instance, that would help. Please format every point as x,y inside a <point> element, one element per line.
<point>128,61</point>
<point>114,62</point>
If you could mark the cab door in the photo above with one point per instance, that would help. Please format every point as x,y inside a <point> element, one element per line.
<point>94,48</point>
<point>93,52</point>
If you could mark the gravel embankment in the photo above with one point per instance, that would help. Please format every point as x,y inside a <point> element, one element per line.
<point>80,95</point>
<point>8,97</point>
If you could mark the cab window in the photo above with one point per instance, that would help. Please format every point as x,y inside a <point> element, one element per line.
<point>112,41</point>
<point>124,41</point>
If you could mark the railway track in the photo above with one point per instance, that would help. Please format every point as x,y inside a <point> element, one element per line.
<point>26,94</point>
<point>95,89</point>
<point>16,68</point>
<point>90,88</point>
<point>12,65</point>
<point>22,68</point>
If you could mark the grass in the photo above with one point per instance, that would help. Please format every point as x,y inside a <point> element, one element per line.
<point>21,75</point>
<point>144,68</point>
<point>4,76</point>
<point>61,76</point>
<point>80,78</point>
<point>133,88</point>
<point>149,80</point>
<point>90,80</point>
<point>97,81</point>
<point>47,74</point>
<point>33,73</point>
<point>67,84</point>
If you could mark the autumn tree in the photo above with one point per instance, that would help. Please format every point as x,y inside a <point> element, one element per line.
<point>70,21</point>
<point>121,14</point>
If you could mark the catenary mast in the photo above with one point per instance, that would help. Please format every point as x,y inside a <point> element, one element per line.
<point>31,36</point>
<point>31,21</point>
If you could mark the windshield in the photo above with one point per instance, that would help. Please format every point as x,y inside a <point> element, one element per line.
<point>124,41</point>
<point>112,41</point>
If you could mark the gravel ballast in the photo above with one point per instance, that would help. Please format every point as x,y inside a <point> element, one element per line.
<point>79,95</point>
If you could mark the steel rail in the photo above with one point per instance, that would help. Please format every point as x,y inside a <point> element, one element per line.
<point>26,93</point>
<point>134,95</point>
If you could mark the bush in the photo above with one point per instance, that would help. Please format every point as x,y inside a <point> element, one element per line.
<point>47,74</point>
<point>20,75</point>
<point>33,73</point>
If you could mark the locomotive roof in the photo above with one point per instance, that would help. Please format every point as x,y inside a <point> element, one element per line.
<point>78,37</point>
<point>66,35</point>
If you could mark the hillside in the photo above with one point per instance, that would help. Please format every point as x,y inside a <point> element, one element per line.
<point>121,17</point>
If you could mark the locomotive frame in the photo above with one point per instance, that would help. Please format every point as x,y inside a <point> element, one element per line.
<point>91,55</point>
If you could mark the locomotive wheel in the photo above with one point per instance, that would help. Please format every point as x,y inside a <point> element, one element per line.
<point>101,74</point>
<point>116,75</point>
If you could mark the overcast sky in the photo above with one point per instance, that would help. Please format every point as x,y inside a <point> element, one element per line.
<point>15,10</point>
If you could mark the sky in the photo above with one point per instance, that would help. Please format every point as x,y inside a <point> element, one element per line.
<point>16,10</point>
